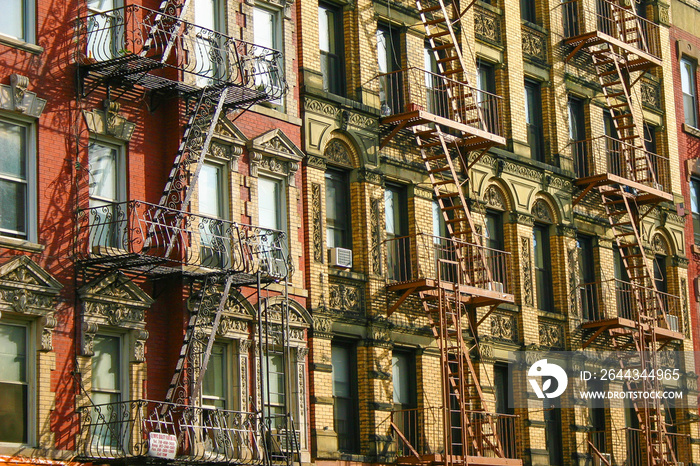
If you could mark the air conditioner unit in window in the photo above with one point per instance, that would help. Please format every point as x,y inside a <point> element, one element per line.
<point>672,323</point>
<point>495,286</point>
<point>341,257</point>
<point>598,461</point>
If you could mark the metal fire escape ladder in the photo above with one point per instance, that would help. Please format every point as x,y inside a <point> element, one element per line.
<point>199,338</point>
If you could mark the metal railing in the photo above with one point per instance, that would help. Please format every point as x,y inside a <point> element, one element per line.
<point>615,298</point>
<point>605,154</point>
<point>423,256</point>
<point>414,89</point>
<point>144,428</point>
<point>583,17</point>
<point>420,432</point>
<point>637,447</point>
<point>151,39</point>
<point>597,440</point>
<point>145,233</point>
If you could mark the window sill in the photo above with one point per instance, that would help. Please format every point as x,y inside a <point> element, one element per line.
<point>20,44</point>
<point>20,244</point>
<point>691,130</point>
<point>551,315</point>
<point>277,114</point>
<point>345,273</point>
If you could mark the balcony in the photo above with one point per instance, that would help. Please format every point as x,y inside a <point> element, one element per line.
<point>615,304</point>
<point>166,432</point>
<point>424,262</point>
<point>134,45</point>
<point>156,240</point>
<point>593,22</point>
<point>419,436</point>
<point>414,97</point>
<point>605,160</point>
<point>636,444</point>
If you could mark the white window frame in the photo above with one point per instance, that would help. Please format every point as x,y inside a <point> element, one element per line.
<point>120,185</point>
<point>283,204</point>
<point>31,380</point>
<point>277,41</point>
<point>31,179</point>
<point>29,23</point>
<point>228,365</point>
<point>223,193</point>
<point>692,70</point>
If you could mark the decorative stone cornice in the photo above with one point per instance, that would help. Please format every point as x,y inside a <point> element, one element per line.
<point>274,152</point>
<point>370,176</point>
<point>16,98</point>
<point>322,327</point>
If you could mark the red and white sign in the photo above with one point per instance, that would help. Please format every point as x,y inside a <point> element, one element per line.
<point>162,445</point>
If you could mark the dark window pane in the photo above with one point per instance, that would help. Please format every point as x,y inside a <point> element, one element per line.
<point>13,413</point>
<point>338,231</point>
<point>533,116</point>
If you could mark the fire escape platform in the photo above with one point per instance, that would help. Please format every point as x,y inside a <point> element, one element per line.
<point>645,193</point>
<point>662,334</point>
<point>472,137</point>
<point>643,60</point>
<point>469,294</point>
<point>438,459</point>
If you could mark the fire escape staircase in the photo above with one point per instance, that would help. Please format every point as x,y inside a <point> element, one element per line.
<point>470,432</point>
<point>161,61</point>
<point>618,47</point>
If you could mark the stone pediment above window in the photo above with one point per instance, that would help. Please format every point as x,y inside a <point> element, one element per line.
<point>228,143</point>
<point>115,301</point>
<point>16,98</point>
<point>27,289</point>
<point>274,152</point>
<point>108,122</point>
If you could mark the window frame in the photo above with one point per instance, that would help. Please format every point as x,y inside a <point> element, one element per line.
<point>336,41</point>
<point>121,360</point>
<point>528,11</point>
<point>227,375</point>
<point>695,207</point>
<point>282,201</point>
<point>28,24</point>
<point>544,273</point>
<point>223,192</point>
<point>344,179</point>
<point>30,208</point>
<point>690,114</point>
<point>533,114</point>
<point>277,43</point>
<point>30,375</point>
<point>353,445</point>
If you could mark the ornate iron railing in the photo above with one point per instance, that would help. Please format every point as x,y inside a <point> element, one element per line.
<point>141,233</point>
<point>144,428</point>
<point>614,298</point>
<point>414,89</point>
<point>605,154</point>
<point>583,17</point>
<point>422,256</point>
<point>134,39</point>
<point>419,432</point>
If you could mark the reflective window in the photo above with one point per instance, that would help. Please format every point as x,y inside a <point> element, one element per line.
<point>14,180</point>
<point>14,384</point>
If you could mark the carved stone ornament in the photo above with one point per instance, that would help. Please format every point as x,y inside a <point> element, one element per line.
<point>542,212</point>
<point>527,270</point>
<point>487,26</point>
<point>486,352</point>
<point>659,245</point>
<point>322,327</point>
<point>274,152</point>
<point>346,298</point>
<point>504,327</point>
<point>338,153</point>
<point>375,232</point>
<point>27,289</point>
<point>534,44</point>
<point>115,301</point>
<point>551,335</point>
<point>16,97</point>
<point>574,279</point>
<point>316,222</point>
<point>494,198</point>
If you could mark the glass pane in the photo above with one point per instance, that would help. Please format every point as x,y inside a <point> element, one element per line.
<point>389,210</point>
<point>13,413</point>
<point>538,245</point>
<point>264,28</point>
<point>13,353</point>
<point>215,378</point>
<point>205,14</point>
<point>269,203</point>
<point>401,378</point>
<point>340,360</point>
<point>687,77</point>
<point>13,207</point>
<point>12,20</point>
<point>694,190</point>
<point>105,363</point>
<point>382,50</point>
<point>210,190</point>
<point>13,150</point>
<point>103,172</point>
<point>325,20</point>
<point>100,5</point>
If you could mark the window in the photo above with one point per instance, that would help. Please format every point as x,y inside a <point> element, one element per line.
<point>345,396</point>
<point>695,206</point>
<point>615,162</point>
<point>504,405</point>
<point>543,268</point>
<point>553,431</point>
<point>435,91</point>
<point>216,379</point>
<point>330,38</point>
<point>16,362</point>
<point>106,190</point>
<point>395,209</point>
<point>16,180</point>
<point>596,411</point>
<point>528,11</point>
<point>486,83</point>
<point>209,14</point>
<point>439,224</point>
<point>107,390</point>
<point>17,19</point>
<point>338,231</point>
<point>577,136</point>
<point>104,30</point>
<point>388,60</point>
<point>274,395</point>
<point>271,203</point>
<point>493,234</point>
<point>267,33</point>
<point>212,190</point>
<point>689,89</point>
<point>588,289</point>
<point>403,369</point>
<point>533,116</point>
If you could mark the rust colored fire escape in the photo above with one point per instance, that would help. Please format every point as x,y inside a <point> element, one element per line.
<point>453,124</point>
<point>160,53</point>
<point>627,176</point>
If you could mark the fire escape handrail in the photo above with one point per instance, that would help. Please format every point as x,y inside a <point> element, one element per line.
<point>108,41</point>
